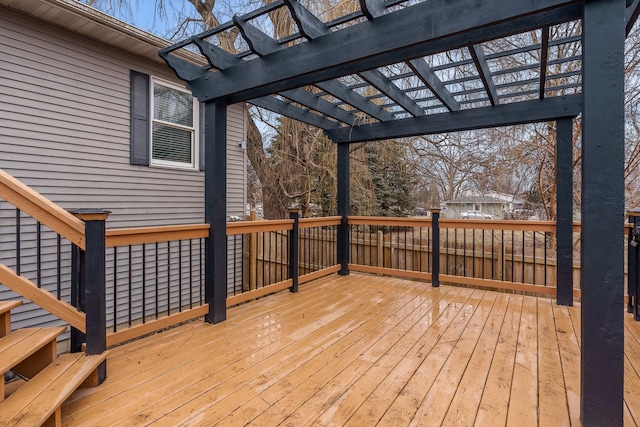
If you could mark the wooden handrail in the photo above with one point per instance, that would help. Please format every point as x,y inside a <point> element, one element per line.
<point>42,209</point>
<point>42,298</point>
<point>319,222</point>
<point>140,235</point>
<point>390,221</point>
<point>490,224</point>
<point>244,227</point>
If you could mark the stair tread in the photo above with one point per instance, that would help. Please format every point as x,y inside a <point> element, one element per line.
<point>35,401</point>
<point>20,344</point>
<point>6,306</point>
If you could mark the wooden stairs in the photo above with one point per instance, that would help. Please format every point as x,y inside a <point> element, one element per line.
<point>32,353</point>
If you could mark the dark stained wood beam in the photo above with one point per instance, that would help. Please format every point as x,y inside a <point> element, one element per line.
<point>313,28</point>
<point>222,59</point>
<point>258,42</point>
<point>484,73</point>
<point>478,118</point>
<point>419,30</point>
<point>352,97</point>
<point>602,359</point>
<point>286,109</point>
<point>633,11</point>
<point>314,102</point>
<point>544,57</point>
<point>431,80</point>
<point>387,87</point>
<point>372,9</point>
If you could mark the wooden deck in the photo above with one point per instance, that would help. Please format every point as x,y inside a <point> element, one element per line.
<point>358,351</point>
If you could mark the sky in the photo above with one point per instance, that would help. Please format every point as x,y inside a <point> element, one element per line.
<point>145,14</point>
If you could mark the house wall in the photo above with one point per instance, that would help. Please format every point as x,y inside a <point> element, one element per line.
<point>64,131</point>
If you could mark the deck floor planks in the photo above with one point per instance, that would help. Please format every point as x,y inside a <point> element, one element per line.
<point>495,398</point>
<point>570,359</point>
<point>358,357</point>
<point>628,419</point>
<point>438,400</point>
<point>358,350</point>
<point>400,411</point>
<point>632,370</point>
<point>552,399</point>
<point>465,403</point>
<point>141,359</point>
<point>397,363</point>
<point>245,386</point>
<point>385,380</point>
<point>224,363</point>
<point>523,404</point>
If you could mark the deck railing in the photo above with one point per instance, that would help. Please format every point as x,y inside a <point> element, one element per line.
<point>261,255</point>
<point>155,278</point>
<point>510,255</point>
<point>119,284</point>
<point>36,249</point>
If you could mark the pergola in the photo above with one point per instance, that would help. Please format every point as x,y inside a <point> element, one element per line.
<point>414,67</point>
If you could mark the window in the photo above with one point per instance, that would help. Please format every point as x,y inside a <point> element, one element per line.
<point>173,128</point>
<point>164,124</point>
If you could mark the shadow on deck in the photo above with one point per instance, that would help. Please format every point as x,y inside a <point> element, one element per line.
<point>358,351</point>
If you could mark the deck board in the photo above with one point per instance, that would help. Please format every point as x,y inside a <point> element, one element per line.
<point>358,351</point>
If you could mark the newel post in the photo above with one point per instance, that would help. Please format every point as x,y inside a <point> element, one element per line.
<point>435,247</point>
<point>294,214</point>
<point>94,278</point>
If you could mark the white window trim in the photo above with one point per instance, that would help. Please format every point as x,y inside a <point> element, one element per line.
<point>195,130</point>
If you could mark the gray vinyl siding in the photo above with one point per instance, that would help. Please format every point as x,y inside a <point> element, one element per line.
<point>64,131</point>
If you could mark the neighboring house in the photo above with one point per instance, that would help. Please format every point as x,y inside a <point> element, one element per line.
<point>495,204</point>
<point>91,117</point>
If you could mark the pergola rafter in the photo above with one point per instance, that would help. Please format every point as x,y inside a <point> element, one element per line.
<point>409,67</point>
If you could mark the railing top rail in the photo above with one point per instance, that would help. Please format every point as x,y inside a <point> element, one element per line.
<point>491,224</point>
<point>320,222</point>
<point>390,221</point>
<point>244,227</point>
<point>141,235</point>
<point>42,209</point>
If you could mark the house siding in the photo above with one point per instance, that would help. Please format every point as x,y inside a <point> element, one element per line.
<point>64,131</point>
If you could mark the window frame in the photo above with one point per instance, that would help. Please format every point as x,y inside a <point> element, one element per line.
<point>194,130</point>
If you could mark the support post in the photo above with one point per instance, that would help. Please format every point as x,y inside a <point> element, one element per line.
<point>78,280</point>
<point>215,210</point>
<point>294,214</point>
<point>633,255</point>
<point>602,355</point>
<point>564,211</point>
<point>435,247</point>
<point>343,209</point>
<point>95,305</point>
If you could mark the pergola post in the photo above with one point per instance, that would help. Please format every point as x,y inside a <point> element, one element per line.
<point>343,209</point>
<point>215,210</point>
<point>602,252</point>
<point>564,211</point>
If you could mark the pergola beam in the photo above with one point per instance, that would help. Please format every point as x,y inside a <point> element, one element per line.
<point>351,97</point>
<point>314,102</point>
<point>387,87</point>
<point>416,31</point>
<point>484,73</point>
<point>262,44</point>
<point>286,109</point>
<point>312,28</point>
<point>433,82</point>
<point>633,11</point>
<point>372,9</point>
<point>544,58</point>
<point>478,118</point>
